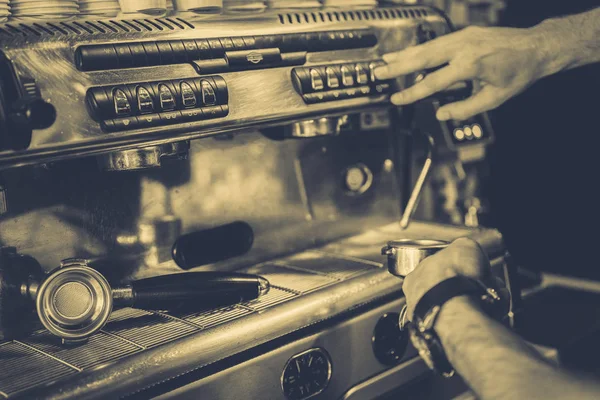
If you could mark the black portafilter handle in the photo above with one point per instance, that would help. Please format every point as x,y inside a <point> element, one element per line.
<point>191,289</point>
<point>213,245</point>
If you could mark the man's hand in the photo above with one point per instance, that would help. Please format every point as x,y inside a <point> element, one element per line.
<point>462,257</point>
<point>502,62</point>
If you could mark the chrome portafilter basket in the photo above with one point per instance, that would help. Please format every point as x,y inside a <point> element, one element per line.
<point>405,254</point>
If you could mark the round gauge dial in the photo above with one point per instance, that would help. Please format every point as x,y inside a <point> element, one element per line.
<point>306,374</point>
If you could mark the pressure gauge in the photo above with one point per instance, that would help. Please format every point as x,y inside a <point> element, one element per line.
<point>306,375</point>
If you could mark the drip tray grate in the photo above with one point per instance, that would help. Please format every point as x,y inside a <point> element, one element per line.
<point>339,268</point>
<point>22,367</point>
<point>295,280</point>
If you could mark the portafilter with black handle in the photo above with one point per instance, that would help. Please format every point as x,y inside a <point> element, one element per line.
<point>74,301</point>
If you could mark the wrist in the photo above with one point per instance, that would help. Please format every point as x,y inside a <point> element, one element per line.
<point>548,43</point>
<point>456,314</point>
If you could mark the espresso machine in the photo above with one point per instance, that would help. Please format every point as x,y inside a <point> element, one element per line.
<point>137,153</point>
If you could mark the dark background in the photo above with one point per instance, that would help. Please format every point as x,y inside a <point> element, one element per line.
<point>544,189</point>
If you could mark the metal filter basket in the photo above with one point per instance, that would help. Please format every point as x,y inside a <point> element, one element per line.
<point>405,254</point>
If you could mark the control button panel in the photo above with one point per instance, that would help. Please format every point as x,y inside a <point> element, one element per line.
<point>150,104</point>
<point>338,82</point>
<point>240,51</point>
<point>475,130</point>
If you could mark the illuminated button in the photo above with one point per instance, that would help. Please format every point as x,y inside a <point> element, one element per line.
<point>188,97</point>
<point>347,78</point>
<point>122,105</point>
<point>171,117</point>
<point>372,67</point>
<point>332,79</point>
<point>167,100</point>
<point>361,75</point>
<point>316,81</point>
<point>468,132</point>
<point>145,104</point>
<point>209,98</point>
<point>477,132</point>
<point>365,90</point>
<point>459,134</point>
<point>383,88</point>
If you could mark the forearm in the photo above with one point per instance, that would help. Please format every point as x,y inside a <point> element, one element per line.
<point>569,42</point>
<point>496,363</point>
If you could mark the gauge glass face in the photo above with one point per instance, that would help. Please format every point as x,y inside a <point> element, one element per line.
<point>306,374</point>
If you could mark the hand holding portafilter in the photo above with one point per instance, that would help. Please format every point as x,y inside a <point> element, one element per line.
<point>74,301</point>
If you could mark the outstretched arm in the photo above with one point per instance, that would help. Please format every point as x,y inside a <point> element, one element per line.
<point>502,61</point>
<point>493,361</point>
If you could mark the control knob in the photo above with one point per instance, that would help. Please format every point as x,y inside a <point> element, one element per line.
<point>389,341</point>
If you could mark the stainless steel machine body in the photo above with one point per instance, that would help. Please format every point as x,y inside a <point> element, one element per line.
<point>320,181</point>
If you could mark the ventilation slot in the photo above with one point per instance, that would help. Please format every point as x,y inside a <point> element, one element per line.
<point>342,16</point>
<point>94,27</point>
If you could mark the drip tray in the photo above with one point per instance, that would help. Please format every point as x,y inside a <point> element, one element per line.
<point>39,359</point>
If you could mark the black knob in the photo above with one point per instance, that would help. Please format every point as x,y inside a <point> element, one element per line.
<point>389,342</point>
<point>213,245</point>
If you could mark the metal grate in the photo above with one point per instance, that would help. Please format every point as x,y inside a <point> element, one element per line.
<point>22,368</point>
<point>295,280</point>
<point>77,28</point>
<point>145,328</point>
<point>99,349</point>
<point>341,268</point>
<point>352,15</point>
<point>209,318</point>
<point>274,297</point>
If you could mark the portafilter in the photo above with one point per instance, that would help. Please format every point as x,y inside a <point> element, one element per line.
<point>74,301</point>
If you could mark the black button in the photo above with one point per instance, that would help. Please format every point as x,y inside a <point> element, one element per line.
<point>96,57</point>
<point>222,91</point>
<point>124,55</point>
<point>192,114</point>
<point>239,43</point>
<point>301,80</point>
<point>351,93</point>
<point>333,76</point>
<point>203,49</point>
<point>209,92</point>
<point>253,58</point>
<point>166,53</point>
<point>191,49</point>
<point>347,75</point>
<point>139,54</point>
<point>152,53</point>
<point>99,103</point>
<point>297,58</point>
<point>364,38</point>
<point>361,74</point>
<point>121,124</point>
<point>313,42</point>
<point>268,41</point>
<point>144,98</point>
<point>211,66</point>
<point>227,44</point>
<point>171,117</point>
<point>148,120</point>
<point>215,111</point>
<point>166,93</point>
<point>121,102</point>
<point>216,48</point>
<point>317,81</point>
<point>107,126</point>
<point>250,42</point>
<point>187,94</point>
<point>179,51</point>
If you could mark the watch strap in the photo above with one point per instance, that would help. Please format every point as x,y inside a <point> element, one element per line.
<point>444,291</point>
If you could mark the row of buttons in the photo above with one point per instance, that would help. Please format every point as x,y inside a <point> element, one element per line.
<point>350,93</point>
<point>152,97</point>
<point>331,77</point>
<point>142,54</point>
<point>468,132</point>
<point>166,118</point>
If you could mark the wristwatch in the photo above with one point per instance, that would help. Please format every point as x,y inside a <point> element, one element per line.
<point>421,328</point>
